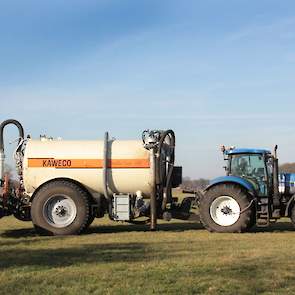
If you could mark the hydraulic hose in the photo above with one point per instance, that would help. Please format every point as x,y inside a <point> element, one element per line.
<point>170,133</point>
<point>20,130</point>
<point>2,155</point>
<point>161,179</point>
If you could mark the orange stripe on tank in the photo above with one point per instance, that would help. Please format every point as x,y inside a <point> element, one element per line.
<point>86,163</point>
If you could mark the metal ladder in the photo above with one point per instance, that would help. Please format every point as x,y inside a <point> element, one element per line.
<point>262,212</point>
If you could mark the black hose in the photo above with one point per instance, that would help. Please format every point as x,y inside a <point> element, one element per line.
<point>159,176</point>
<point>20,130</point>
<point>168,193</point>
<point>166,182</point>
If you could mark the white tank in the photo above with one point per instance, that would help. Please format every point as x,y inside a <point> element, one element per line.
<point>129,169</point>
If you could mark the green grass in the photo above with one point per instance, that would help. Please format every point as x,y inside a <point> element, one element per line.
<point>115,258</point>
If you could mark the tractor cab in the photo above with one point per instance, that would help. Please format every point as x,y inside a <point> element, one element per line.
<point>248,195</point>
<point>252,165</point>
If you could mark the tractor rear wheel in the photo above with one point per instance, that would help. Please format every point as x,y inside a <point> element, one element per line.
<point>60,208</point>
<point>222,209</point>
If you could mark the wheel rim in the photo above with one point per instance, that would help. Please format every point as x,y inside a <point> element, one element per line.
<point>225,211</point>
<point>59,211</point>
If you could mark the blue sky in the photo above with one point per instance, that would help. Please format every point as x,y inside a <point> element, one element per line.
<point>215,71</point>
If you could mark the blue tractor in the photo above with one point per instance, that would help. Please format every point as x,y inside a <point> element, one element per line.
<point>253,192</point>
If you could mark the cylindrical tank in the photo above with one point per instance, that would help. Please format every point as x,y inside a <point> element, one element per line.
<point>129,168</point>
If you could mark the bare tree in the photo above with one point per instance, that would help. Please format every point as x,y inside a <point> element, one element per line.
<point>192,184</point>
<point>287,168</point>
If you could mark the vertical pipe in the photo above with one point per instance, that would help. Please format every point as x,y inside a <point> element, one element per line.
<point>105,166</point>
<point>2,161</point>
<point>153,201</point>
<point>276,193</point>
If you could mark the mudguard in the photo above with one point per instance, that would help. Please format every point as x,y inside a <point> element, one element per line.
<point>232,179</point>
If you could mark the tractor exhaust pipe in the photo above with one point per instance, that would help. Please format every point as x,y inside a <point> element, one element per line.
<point>2,154</point>
<point>276,193</point>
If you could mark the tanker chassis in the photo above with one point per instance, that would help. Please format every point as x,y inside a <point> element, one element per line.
<point>64,185</point>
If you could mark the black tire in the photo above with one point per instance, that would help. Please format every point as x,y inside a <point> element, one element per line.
<point>239,195</point>
<point>89,221</point>
<point>24,215</point>
<point>75,194</point>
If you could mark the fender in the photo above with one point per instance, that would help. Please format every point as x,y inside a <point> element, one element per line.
<point>232,179</point>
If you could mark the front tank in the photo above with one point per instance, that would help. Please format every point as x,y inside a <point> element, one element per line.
<point>129,168</point>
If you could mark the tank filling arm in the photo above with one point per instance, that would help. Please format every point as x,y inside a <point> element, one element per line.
<point>169,134</point>
<point>161,144</point>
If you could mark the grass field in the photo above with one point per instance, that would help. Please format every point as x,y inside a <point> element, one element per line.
<point>115,258</point>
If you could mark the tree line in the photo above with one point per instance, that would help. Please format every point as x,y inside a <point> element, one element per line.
<point>287,168</point>
<point>201,183</point>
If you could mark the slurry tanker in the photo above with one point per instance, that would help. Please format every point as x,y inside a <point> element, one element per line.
<point>64,185</point>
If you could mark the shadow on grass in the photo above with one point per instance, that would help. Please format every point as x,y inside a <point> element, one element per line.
<point>275,227</point>
<point>173,227</point>
<point>116,228</point>
<point>125,227</point>
<point>180,227</point>
<point>19,233</point>
<point>84,254</point>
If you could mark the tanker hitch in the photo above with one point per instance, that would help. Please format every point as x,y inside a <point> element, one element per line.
<point>126,179</point>
<point>12,197</point>
<point>13,201</point>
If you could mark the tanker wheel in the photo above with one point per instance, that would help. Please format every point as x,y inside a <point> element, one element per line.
<point>220,209</point>
<point>60,208</point>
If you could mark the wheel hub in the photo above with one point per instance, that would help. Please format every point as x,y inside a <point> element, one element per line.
<point>59,211</point>
<point>225,211</point>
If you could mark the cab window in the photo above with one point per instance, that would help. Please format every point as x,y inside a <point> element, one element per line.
<point>248,165</point>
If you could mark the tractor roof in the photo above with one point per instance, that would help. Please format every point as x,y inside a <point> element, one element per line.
<point>247,151</point>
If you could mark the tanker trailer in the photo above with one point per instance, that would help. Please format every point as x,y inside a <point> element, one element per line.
<point>63,185</point>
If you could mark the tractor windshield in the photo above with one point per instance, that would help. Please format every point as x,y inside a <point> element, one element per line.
<point>251,165</point>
